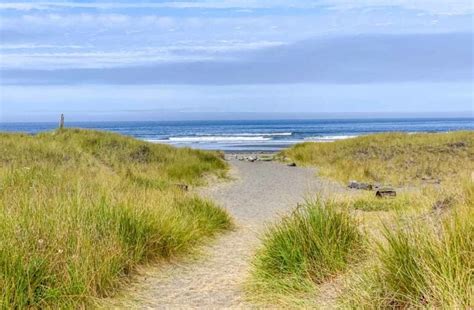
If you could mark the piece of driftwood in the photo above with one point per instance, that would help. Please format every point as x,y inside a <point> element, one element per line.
<point>385,192</point>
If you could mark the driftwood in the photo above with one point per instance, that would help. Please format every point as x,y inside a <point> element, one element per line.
<point>385,192</point>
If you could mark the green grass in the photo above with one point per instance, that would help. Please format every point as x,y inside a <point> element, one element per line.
<point>394,158</point>
<point>79,210</point>
<point>421,242</point>
<point>316,242</point>
<point>427,264</point>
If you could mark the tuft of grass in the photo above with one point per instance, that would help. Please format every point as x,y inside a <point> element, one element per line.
<point>316,242</point>
<point>396,158</point>
<point>79,210</point>
<point>427,264</point>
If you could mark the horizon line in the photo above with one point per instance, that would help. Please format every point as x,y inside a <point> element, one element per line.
<point>447,117</point>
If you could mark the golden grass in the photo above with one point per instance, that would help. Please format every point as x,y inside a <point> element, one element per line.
<point>425,262</point>
<point>395,158</point>
<point>80,209</point>
<point>421,241</point>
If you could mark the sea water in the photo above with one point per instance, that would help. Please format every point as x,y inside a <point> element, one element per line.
<point>254,135</point>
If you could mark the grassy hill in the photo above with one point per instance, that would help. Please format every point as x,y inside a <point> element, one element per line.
<point>415,250</point>
<point>396,158</point>
<point>80,209</point>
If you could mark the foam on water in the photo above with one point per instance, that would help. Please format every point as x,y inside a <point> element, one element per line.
<point>329,138</point>
<point>218,138</point>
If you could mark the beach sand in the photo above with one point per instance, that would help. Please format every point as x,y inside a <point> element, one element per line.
<point>260,192</point>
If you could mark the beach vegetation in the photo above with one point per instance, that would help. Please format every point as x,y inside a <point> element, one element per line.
<point>421,241</point>
<point>423,263</point>
<point>311,245</point>
<point>391,158</point>
<point>80,209</point>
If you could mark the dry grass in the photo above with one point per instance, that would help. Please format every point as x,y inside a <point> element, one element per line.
<point>80,209</point>
<point>426,262</point>
<point>422,240</point>
<point>394,158</point>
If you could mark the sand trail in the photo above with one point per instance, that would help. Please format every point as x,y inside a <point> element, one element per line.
<point>260,193</point>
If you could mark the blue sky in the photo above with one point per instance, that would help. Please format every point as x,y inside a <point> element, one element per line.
<point>237,58</point>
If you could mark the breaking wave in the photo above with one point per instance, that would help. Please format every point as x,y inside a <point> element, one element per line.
<point>219,138</point>
<point>328,138</point>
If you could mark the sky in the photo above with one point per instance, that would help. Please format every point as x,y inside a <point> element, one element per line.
<point>210,59</point>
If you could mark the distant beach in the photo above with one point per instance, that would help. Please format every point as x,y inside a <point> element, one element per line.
<point>254,135</point>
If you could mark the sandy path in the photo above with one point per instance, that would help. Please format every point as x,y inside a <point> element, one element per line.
<point>261,192</point>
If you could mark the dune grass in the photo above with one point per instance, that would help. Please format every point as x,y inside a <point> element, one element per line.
<point>395,158</point>
<point>80,209</point>
<point>316,242</point>
<point>421,264</point>
<point>422,241</point>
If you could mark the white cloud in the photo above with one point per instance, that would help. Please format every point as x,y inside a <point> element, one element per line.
<point>431,6</point>
<point>68,38</point>
<point>442,7</point>
<point>21,56</point>
<point>71,20</point>
<point>38,46</point>
<point>228,4</point>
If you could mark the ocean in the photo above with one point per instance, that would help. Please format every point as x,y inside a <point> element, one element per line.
<point>254,135</point>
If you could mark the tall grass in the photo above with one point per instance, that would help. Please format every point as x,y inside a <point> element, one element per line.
<point>395,158</point>
<point>425,260</point>
<point>316,242</point>
<point>80,209</point>
<point>428,264</point>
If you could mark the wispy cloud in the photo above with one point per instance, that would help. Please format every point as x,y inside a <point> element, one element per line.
<point>431,6</point>
<point>5,47</point>
<point>342,60</point>
<point>22,56</point>
<point>454,7</point>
